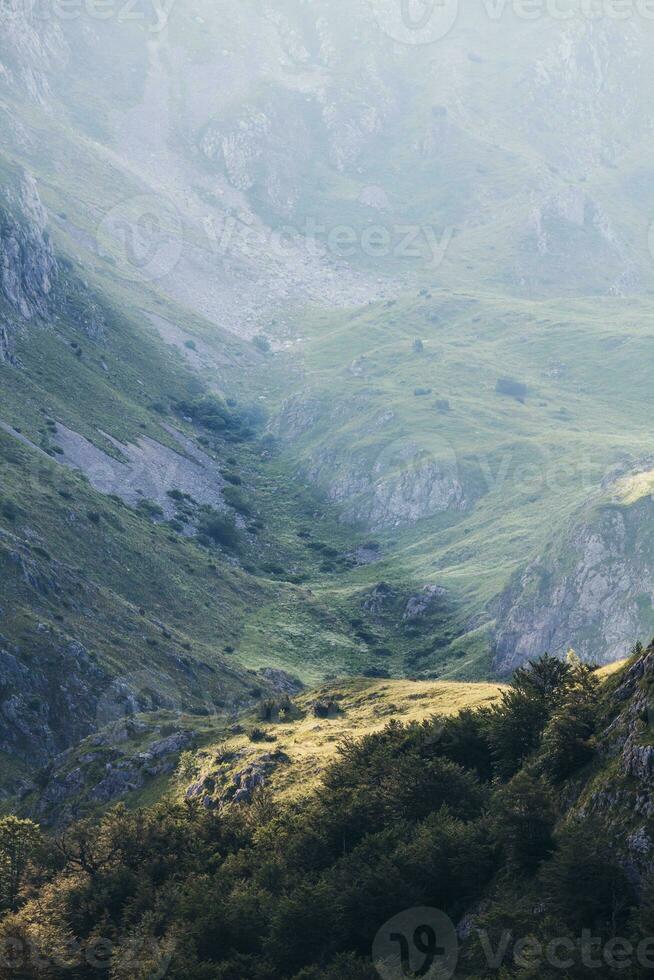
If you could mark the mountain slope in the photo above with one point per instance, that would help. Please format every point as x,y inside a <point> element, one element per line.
<point>388,300</point>
<point>532,816</point>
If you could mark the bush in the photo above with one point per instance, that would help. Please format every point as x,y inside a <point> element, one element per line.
<point>273,568</point>
<point>261,343</point>
<point>512,388</point>
<point>220,529</point>
<point>257,734</point>
<point>8,509</point>
<point>213,413</point>
<point>235,499</point>
<point>150,509</point>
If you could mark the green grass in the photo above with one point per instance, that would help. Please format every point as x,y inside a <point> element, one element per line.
<point>527,468</point>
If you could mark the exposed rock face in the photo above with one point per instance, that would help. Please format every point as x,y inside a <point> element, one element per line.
<point>280,682</point>
<point>48,700</point>
<point>145,471</point>
<point>220,788</point>
<point>381,600</point>
<point>593,590</point>
<point>6,353</point>
<point>31,43</point>
<point>27,264</point>
<point>254,150</point>
<point>393,484</point>
<point>403,496</point>
<point>396,490</point>
<point>101,773</point>
<point>424,602</point>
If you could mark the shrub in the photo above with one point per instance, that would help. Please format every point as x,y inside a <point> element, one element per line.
<point>8,509</point>
<point>257,734</point>
<point>220,529</point>
<point>512,388</point>
<point>376,672</point>
<point>273,568</point>
<point>235,499</point>
<point>327,708</point>
<point>213,413</point>
<point>150,509</point>
<point>261,343</point>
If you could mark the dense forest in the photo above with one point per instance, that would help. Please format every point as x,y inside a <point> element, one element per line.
<point>516,821</point>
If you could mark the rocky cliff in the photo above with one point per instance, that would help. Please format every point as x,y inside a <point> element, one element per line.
<point>28,267</point>
<point>31,45</point>
<point>592,589</point>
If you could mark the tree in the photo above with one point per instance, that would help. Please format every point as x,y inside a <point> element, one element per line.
<point>568,742</point>
<point>524,819</point>
<point>517,723</point>
<point>583,884</point>
<point>19,840</point>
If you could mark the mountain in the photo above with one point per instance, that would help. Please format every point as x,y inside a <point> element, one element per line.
<point>323,350</point>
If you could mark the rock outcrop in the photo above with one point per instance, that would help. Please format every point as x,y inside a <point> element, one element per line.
<point>48,699</point>
<point>31,44</point>
<point>593,589</point>
<point>28,267</point>
<point>100,772</point>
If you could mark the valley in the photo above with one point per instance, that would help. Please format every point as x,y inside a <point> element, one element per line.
<point>318,360</point>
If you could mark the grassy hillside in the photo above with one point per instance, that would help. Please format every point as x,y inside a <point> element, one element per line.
<point>285,742</point>
<point>525,460</point>
<point>306,738</point>
<point>89,415</point>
